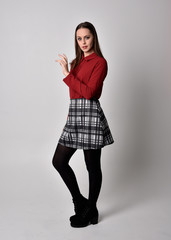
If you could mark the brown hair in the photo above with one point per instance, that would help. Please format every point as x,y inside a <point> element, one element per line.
<point>78,51</point>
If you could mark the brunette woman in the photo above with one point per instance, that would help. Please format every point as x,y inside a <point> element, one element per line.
<point>86,126</point>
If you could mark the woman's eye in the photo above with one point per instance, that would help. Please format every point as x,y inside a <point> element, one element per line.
<point>87,37</point>
<point>79,39</point>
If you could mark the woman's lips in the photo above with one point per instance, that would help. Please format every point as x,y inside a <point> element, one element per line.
<point>84,47</point>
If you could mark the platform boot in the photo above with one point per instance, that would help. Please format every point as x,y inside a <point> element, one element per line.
<point>89,215</point>
<point>79,205</point>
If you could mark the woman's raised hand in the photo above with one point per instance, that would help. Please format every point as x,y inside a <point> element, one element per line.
<point>64,63</point>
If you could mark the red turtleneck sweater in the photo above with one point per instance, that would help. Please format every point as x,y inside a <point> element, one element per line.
<point>86,79</point>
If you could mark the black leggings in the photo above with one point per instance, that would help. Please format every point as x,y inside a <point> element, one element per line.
<point>92,159</point>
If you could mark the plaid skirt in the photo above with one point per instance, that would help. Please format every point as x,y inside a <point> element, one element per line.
<point>86,126</point>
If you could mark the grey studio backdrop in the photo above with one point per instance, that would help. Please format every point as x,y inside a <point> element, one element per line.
<point>134,37</point>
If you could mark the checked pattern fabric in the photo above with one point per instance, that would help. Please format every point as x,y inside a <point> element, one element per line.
<point>86,126</point>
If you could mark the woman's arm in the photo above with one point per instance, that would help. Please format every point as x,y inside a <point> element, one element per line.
<point>95,82</point>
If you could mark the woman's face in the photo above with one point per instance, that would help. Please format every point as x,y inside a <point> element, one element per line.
<point>85,40</point>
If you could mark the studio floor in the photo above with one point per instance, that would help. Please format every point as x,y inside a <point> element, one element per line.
<point>30,220</point>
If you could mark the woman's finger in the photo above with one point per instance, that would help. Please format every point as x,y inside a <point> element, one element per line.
<point>59,61</point>
<point>62,63</point>
<point>63,57</point>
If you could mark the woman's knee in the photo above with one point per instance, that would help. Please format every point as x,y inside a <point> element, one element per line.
<point>61,157</point>
<point>92,160</point>
<point>57,163</point>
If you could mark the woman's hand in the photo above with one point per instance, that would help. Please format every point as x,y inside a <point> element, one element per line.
<point>64,63</point>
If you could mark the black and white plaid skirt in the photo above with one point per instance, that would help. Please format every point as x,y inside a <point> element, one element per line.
<point>86,126</point>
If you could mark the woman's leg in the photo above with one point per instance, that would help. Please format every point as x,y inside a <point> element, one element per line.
<point>93,164</point>
<point>60,161</point>
<point>89,214</point>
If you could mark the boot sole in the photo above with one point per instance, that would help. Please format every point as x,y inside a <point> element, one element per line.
<point>93,221</point>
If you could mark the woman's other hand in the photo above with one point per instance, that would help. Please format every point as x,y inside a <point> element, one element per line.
<point>64,63</point>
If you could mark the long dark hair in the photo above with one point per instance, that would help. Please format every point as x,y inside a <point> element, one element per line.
<point>78,51</point>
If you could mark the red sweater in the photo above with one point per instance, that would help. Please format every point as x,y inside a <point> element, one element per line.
<point>86,79</point>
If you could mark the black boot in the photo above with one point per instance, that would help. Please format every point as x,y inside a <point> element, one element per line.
<point>89,215</point>
<point>79,205</point>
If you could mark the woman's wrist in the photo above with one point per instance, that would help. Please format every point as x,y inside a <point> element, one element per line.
<point>66,74</point>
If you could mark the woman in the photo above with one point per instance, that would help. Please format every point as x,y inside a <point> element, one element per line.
<point>86,126</point>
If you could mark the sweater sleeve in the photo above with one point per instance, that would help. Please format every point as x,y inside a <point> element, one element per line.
<point>94,84</point>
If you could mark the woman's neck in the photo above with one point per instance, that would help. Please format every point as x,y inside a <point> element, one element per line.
<point>88,53</point>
